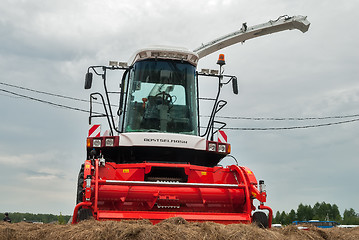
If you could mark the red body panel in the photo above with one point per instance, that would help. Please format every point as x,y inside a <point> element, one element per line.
<point>124,191</point>
<point>156,217</point>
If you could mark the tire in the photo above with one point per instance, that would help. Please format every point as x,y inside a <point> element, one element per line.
<point>260,219</point>
<point>84,214</point>
<point>80,185</point>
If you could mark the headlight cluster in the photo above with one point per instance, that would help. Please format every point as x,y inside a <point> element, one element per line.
<point>218,147</point>
<point>109,142</point>
<point>96,143</point>
<point>102,142</point>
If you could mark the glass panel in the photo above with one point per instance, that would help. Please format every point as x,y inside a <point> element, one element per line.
<point>162,97</point>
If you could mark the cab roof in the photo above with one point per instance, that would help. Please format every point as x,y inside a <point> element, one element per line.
<point>165,52</point>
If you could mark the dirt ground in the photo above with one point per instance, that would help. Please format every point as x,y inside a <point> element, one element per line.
<point>173,228</point>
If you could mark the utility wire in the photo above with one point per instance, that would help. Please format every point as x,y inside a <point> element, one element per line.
<point>223,117</point>
<point>42,92</point>
<point>43,101</point>
<point>228,128</point>
<point>287,128</point>
<point>50,94</point>
<point>8,95</point>
<point>293,127</point>
<point>286,119</point>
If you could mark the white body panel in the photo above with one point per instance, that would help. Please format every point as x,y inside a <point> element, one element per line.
<point>155,139</point>
<point>297,22</point>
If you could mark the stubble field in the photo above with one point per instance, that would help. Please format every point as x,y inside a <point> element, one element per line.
<point>173,228</point>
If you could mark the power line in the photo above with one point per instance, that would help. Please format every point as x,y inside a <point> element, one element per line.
<point>43,101</point>
<point>51,94</point>
<point>228,128</point>
<point>286,128</point>
<point>222,117</point>
<point>8,95</point>
<point>285,119</point>
<point>42,92</point>
<point>293,127</point>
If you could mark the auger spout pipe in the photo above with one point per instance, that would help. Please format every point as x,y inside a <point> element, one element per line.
<point>245,33</point>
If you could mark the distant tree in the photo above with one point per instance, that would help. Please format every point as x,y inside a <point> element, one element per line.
<point>61,219</point>
<point>326,211</point>
<point>291,217</point>
<point>320,211</point>
<point>350,217</point>
<point>277,218</point>
<point>301,212</point>
<point>283,218</point>
<point>30,217</point>
<point>304,212</point>
<point>349,213</point>
<point>334,213</point>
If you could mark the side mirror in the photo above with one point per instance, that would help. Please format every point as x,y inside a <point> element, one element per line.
<point>235,85</point>
<point>88,80</point>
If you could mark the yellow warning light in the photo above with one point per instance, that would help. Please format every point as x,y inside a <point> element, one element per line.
<point>126,170</point>
<point>229,148</point>
<point>88,142</point>
<point>221,60</point>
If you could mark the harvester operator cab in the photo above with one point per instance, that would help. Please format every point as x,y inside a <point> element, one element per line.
<point>158,93</point>
<point>158,110</point>
<point>162,97</point>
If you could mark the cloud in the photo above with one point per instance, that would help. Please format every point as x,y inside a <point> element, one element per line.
<point>49,45</point>
<point>34,166</point>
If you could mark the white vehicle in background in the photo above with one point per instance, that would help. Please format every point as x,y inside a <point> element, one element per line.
<point>348,226</point>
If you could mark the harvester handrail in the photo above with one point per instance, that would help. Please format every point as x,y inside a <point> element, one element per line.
<point>174,184</point>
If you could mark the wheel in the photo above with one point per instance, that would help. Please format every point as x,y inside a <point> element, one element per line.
<point>84,214</point>
<point>260,219</point>
<point>80,185</point>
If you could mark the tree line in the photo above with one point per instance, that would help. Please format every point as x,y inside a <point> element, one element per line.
<point>31,217</point>
<point>320,211</point>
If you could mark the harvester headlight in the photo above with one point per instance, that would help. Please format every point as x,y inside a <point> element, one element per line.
<point>212,147</point>
<point>96,143</point>
<point>155,54</point>
<point>221,148</point>
<point>123,64</point>
<point>113,63</point>
<point>143,54</point>
<point>214,72</point>
<point>109,142</point>
<point>205,71</point>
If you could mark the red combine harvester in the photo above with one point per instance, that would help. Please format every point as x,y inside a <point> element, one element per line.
<point>154,162</point>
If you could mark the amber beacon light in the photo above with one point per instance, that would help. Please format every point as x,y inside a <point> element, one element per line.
<point>221,60</point>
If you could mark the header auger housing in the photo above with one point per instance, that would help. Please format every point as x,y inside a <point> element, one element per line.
<point>155,161</point>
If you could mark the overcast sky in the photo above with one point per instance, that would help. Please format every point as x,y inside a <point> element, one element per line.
<point>48,45</point>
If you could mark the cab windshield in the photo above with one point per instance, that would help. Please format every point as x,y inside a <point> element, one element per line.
<point>162,97</point>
